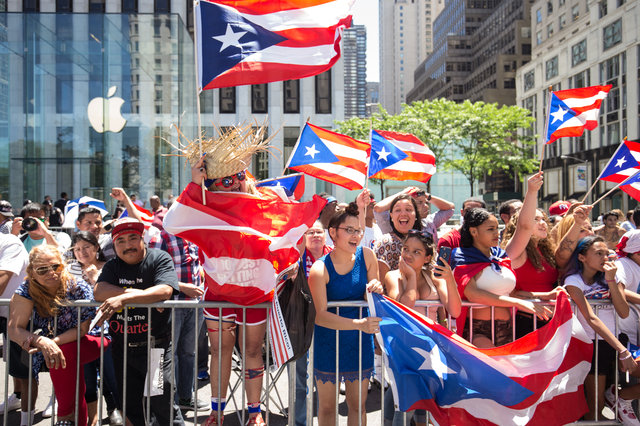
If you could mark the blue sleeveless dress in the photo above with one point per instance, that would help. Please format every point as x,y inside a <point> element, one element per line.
<point>340,288</point>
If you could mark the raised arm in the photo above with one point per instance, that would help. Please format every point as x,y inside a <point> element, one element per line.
<point>385,203</point>
<point>120,195</point>
<point>569,242</point>
<point>517,245</point>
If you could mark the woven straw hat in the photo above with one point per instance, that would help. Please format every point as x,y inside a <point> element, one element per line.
<point>231,152</point>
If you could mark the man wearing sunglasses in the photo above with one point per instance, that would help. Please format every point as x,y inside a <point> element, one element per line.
<point>139,275</point>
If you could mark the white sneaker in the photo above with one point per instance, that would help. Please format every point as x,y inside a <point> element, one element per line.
<point>48,411</point>
<point>13,403</point>
<point>626,415</point>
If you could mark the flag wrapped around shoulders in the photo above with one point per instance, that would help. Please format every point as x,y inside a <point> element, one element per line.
<point>245,241</point>
<point>468,262</point>
<point>400,156</point>
<point>331,157</point>
<point>257,41</point>
<point>573,110</point>
<point>536,380</point>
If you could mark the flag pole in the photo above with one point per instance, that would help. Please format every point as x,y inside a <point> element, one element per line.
<point>605,167</point>
<point>614,188</point>
<point>366,181</point>
<point>546,128</point>
<point>198,89</point>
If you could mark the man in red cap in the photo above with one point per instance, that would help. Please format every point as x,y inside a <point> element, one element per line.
<point>559,208</point>
<point>139,275</point>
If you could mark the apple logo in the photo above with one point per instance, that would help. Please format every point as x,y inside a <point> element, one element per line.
<point>104,113</point>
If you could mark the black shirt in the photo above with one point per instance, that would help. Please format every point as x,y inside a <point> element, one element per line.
<point>156,268</point>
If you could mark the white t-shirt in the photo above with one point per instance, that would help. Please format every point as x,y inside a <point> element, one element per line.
<point>629,274</point>
<point>371,235</point>
<point>13,258</point>
<point>605,311</point>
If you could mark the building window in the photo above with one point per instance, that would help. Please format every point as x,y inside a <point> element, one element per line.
<point>561,2</point>
<point>289,139</point>
<point>549,7</point>
<point>323,93</point>
<point>579,53</point>
<point>259,98</point>
<point>620,3</point>
<point>96,6</point>
<point>64,6</point>
<point>261,165</point>
<point>549,30</point>
<point>161,6</point>
<point>538,16</point>
<point>612,34</point>
<point>551,67</point>
<point>538,38</point>
<point>529,80</point>
<point>582,79</point>
<point>31,6</point>
<point>129,6</point>
<point>227,100</point>
<point>291,95</point>
<point>562,21</point>
<point>602,8</point>
<point>206,101</point>
<point>575,12</point>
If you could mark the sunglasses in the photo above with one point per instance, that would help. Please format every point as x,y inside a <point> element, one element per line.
<point>43,270</point>
<point>227,181</point>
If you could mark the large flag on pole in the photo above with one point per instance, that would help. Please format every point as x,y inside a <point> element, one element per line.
<point>632,186</point>
<point>400,156</point>
<point>625,162</point>
<point>573,110</point>
<point>331,157</point>
<point>258,41</point>
<point>537,379</point>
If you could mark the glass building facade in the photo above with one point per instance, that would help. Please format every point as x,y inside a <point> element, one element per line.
<point>92,101</point>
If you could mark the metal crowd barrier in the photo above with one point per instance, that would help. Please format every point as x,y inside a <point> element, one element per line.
<point>269,385</point>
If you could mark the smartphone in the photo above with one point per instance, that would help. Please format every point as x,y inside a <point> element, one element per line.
<point>443,253</point>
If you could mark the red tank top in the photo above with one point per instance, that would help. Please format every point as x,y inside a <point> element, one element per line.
<point>528,278</point>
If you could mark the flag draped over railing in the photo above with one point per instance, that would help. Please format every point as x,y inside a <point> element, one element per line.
<point>537,379</point>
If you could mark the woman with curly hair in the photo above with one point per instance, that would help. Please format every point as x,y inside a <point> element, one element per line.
<point>484,274</point>
<point>534,263</point>
<point>45,295</point>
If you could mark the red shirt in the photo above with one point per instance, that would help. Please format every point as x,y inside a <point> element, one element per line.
<point>528,278</point>
<point>450,239</point>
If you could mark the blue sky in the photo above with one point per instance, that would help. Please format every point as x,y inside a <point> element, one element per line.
<point>366,12</point>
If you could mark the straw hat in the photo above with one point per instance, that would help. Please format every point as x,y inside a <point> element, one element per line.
<point>231,152</point>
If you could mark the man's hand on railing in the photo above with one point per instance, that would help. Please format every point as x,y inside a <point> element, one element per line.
<point>190,290</point>
<point>110,307</point>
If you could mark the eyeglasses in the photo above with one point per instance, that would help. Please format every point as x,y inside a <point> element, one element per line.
<point>43,270</point>
<point>351,230</point>
<point>228,181</point>
<point>312,233</point>
<point>423,235</point>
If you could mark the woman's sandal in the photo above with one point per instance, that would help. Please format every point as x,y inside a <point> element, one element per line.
<point>212,420</point>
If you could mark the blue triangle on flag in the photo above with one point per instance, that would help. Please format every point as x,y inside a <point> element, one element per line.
<point>228,38</point>
<point>622,160</point>
<point>559,113</point>
<point>288,183</point>
<point>311,150</point>
<point>383,153</point>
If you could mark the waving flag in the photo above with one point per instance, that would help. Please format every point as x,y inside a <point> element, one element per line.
<point>330,156</point>
<point>632,186</point>
<point>400,156</point>
<point>73,207</point>
<point>624,163</point>
<point>257,41</point>
<point>145,215</point>
<point>571,111</point>
<point>293,185</point>
<point>537,379</point>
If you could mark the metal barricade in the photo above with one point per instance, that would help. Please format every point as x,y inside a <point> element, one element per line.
<point>270,384</point>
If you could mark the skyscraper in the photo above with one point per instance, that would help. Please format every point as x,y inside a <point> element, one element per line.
<point>354,53</point>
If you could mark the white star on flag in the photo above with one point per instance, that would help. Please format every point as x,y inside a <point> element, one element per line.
<point>383,153</point>
<point>558,115</point>
<point>620,162</point>
<point>229,38</point>
<point>433,361</point>
<point>311,151</point>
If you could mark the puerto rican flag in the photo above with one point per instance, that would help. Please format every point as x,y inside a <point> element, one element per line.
<point>331,157</point>
<point>258,41</point>
<point>632,186</point>
<point>400,156</point>
<point>146,216</point>
<point>571,111</point>
<point>624,163</point>
<point>537,379</point>
<point>293,185</point>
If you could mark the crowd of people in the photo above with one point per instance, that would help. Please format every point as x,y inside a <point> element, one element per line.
<point>392,246</point>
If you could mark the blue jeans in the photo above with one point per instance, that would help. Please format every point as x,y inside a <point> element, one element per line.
<point>301,390</point>
<point>184,344</point>
<point>110,385</point>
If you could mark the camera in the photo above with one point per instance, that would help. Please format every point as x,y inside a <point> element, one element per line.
<point>30,224</point>
<point>420,193</point>
<point>108,227</point>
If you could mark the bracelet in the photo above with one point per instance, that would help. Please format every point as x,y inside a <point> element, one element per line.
<point>626,357</point>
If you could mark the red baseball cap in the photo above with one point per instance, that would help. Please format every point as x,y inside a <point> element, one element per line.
<point>559,208</point>
<point>127,225</point>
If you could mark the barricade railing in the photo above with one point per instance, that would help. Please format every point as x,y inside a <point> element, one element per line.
<point>269,384</point>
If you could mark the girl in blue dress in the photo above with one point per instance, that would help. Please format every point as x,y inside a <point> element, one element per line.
<point>344,274</point>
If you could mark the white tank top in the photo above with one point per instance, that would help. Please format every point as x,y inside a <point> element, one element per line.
<point>499,283</point>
